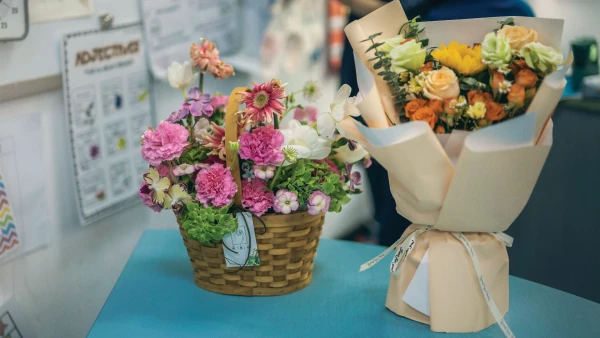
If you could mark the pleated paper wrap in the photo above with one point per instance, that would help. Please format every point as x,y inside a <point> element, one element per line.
<point>475,183</point>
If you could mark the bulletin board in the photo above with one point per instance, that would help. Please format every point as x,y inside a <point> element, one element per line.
<point>33,65</point>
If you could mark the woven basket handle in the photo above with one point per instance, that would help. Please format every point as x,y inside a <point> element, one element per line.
<point>232,130</point>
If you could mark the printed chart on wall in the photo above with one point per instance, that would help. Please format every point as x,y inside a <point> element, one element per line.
<point>170,27</point>
<point>23,191</point>
<point>107,90</point>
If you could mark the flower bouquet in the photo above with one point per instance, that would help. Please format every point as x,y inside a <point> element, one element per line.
<point>459,115</point>
<point>261,175</point>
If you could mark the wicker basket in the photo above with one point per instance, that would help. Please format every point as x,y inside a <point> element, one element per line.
<point>286,249</point>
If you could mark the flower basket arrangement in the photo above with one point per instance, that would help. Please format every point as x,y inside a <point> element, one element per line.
<point>458,112</point>
<point>213,161</point>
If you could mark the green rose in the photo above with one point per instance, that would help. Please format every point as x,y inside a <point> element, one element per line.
<point>409,56</point>
<point>390,43</point>
<point>541,58</point>
<point>496,51</point>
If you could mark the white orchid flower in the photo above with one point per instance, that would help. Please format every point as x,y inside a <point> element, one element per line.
<point>181,75</point>
<point>305,141</point>
<point>342,106</point>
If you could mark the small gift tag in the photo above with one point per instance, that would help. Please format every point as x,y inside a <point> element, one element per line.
<point>240,247</point>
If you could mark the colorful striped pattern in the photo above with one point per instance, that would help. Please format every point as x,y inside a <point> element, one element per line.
<point>8,229</point>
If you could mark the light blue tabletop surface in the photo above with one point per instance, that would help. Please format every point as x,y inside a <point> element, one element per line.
<point>156,297</point>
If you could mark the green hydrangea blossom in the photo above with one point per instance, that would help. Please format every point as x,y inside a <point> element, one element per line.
<point>207,225</point>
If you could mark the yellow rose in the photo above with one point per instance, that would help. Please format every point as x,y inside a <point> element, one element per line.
<point>441,84</point>
<point>518,36</point>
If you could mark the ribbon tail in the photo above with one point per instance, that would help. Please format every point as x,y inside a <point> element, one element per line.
<point>486,295</point>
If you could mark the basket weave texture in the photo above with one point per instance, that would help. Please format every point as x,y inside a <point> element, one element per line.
<point>287,251</point>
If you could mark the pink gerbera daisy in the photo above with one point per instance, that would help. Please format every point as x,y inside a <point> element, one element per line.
<point>262,102</point>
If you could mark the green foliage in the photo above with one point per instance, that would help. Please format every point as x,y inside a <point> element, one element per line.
<point>305,176</point>
<point>194,155</point>
<point>207,225</point>
<point>218,117</point>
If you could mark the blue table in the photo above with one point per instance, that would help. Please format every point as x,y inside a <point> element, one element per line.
<point>156,297</point>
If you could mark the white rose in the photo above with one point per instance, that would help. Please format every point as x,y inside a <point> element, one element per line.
<point>441,84</point>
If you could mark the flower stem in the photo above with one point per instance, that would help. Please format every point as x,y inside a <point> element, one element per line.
<point>275,121</point>
<point>184,93</point>
<point>201,82</point>
<point>234,162</point>
<point>272,184</point>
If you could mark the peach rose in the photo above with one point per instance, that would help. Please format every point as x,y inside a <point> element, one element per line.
<point>449,106</point>
<point>436,106</point>
<point>516,95</point>
<point>526,78</point>
<point>494,111</point>
<point>518,36</point>
<point>440,130</point>
<point>426,67</point>
<point>425,114</point>
<point>412,106</point>
<point>441,84</point>
<point>497,79</point>
<point>478,96</point>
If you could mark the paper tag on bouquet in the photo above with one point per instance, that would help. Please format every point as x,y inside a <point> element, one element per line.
<point>240,247</point>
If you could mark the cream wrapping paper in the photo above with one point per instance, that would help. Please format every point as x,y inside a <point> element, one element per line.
<point>476,183</point>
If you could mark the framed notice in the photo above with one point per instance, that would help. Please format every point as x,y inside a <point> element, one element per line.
<point>106,86</point>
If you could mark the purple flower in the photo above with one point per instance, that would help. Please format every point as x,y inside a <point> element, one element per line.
<point>318,202</point>
<point>200,105</point>
<point>181,114</point>
<point>354,177</point>
<point>194,94</point>
<point>285,202</point>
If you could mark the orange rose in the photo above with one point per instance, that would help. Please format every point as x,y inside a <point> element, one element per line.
<point>450,108</point>
<point>412,106</point>
<point>436,106</point>
<point>494,111</point>
<point>516,95</point>
<point>426,67</point>
<point>526,78</point>
<point>425,114</point>
<point>478,96</point>
<point>440,130</point>
<point>497,79</point>
<point>517,65</point>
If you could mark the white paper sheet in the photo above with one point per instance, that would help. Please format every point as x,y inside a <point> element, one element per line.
<point>54,10</point>
<point>25,180</point>
<point>170,27</point>
<point>417,293</point>
<point>106,95</point>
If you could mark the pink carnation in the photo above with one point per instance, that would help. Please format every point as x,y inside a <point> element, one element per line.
<point>262,145</point>
<point>146,196</point>
<point>165,143</point>
<point>256,196</point>
<point>215,186</point>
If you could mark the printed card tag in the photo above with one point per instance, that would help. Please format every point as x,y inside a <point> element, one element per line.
<point>242,243</point>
